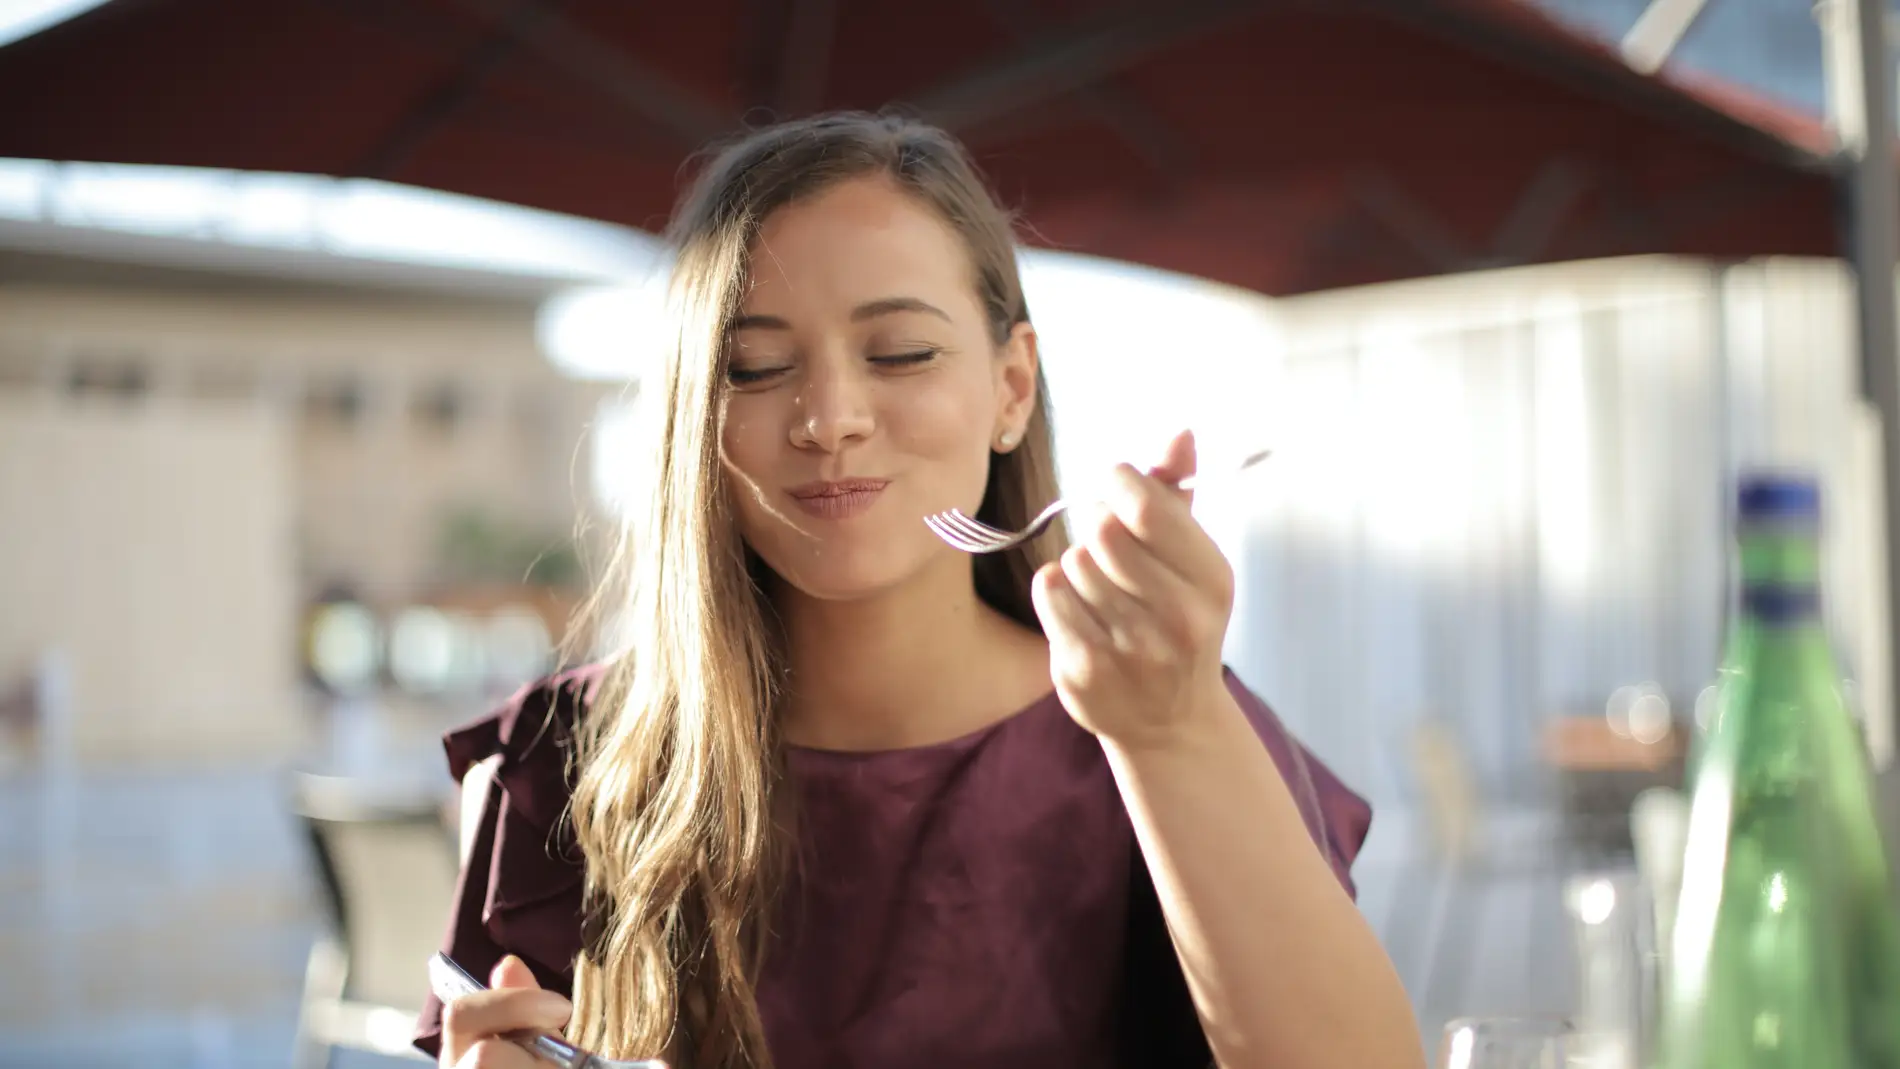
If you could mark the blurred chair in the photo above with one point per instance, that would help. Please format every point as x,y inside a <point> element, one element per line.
<point>27,703</point>
<point>19,723</point>
<point>386,864</point>
<point>1467,848</point>
<point>1601,770</point>
<point>1454,808</point>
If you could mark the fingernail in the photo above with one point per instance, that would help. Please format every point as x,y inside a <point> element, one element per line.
<point>494,974</point>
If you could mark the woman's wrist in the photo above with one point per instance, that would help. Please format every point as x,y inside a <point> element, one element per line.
<point>1202,722</point>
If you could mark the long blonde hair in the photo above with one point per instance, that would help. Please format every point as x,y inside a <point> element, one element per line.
<point>676,801</point>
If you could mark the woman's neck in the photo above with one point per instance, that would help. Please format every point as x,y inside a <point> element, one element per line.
<point>918,664</point>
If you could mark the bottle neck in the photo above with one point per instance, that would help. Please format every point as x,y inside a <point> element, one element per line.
<point>1781,572</point>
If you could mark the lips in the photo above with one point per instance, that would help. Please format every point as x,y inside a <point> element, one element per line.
<point>840,499</point>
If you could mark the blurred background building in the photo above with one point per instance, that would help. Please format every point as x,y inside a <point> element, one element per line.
<point>210,458</point>
<point>300,503</point>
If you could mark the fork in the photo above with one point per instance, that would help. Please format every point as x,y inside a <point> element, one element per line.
<point>450,981</point>
<point>974,536</point>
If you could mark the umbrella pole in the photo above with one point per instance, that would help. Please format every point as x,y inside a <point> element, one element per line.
<point>1861,88</point>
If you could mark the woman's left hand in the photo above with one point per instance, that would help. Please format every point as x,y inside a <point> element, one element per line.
<point>1136,610</point>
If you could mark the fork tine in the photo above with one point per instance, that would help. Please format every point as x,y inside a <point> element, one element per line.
<point>979,541</point>
<point>941,526</point>
<point>936,525</point>
<point>975,527</point>
<point>945,523</point>
<point>963,533</point>
<point>982,533</point>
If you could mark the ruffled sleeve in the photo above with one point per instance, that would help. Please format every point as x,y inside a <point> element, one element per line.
<point>1168,1031</point>
<point>1337,818</point>
<point>520,890</point>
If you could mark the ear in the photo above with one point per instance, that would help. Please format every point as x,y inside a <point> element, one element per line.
<point>1016,362</point>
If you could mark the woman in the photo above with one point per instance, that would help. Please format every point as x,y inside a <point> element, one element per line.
<point>852,798</point>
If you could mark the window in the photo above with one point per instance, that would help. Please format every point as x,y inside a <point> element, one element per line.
<point>117,377</point>
<point>336,402</point>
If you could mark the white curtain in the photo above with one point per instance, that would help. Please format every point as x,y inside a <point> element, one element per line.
<point>1497,498</point>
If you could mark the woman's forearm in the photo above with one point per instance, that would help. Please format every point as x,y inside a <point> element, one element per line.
<point>1284,972</point>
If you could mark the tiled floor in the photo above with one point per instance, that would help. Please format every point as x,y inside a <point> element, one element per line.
<point>160,919</point>
<point>157,919</point>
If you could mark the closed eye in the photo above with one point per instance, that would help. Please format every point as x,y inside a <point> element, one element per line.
<point>753,376</point>
<point>903,360</point>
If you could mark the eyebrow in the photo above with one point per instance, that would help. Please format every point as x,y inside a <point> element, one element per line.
<point>868,310</point>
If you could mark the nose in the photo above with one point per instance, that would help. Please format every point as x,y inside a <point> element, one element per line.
<point>832,408</point>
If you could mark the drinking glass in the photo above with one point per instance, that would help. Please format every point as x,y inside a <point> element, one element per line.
<point>1528,1042</point>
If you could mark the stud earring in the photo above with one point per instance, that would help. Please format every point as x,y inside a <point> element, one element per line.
<point>1007,439</point>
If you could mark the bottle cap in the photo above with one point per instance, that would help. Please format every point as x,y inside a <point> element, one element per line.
<point>1778,496</point>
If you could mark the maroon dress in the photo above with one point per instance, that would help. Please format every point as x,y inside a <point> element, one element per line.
<point>979,902</point>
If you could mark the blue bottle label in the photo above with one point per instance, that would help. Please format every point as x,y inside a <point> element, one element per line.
<point>1781,604</point>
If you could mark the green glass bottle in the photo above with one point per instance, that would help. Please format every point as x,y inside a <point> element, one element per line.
<point>1786,944</point>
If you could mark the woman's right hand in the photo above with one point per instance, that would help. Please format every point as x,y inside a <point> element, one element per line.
<point>474,1026</point>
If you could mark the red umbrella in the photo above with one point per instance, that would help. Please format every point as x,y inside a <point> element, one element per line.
<point>1282,146</point>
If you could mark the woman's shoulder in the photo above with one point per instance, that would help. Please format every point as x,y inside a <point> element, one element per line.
<point>522,873</point>
<point>534,726</point>
<point>528,744</point>
<point>1338,818</point>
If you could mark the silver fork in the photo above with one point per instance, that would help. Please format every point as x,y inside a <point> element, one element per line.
<point>975,536</point>
<point>450,981</point>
